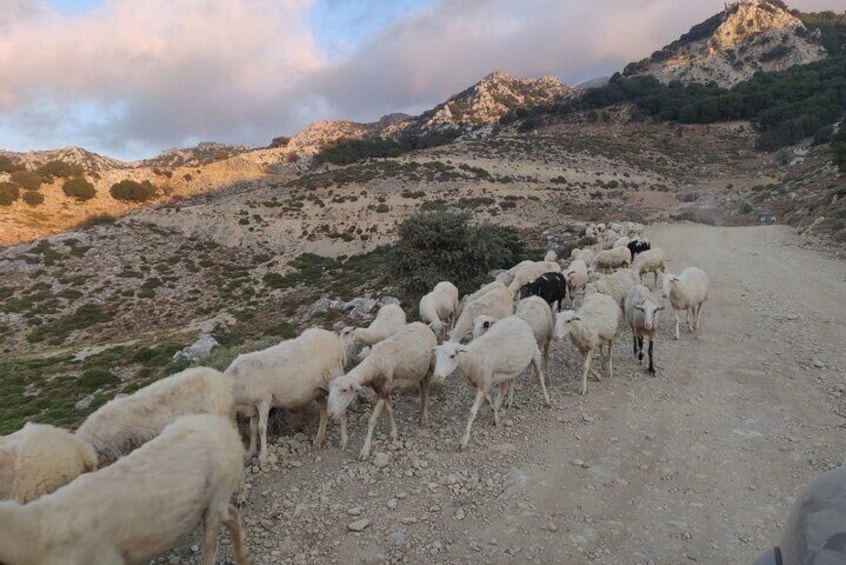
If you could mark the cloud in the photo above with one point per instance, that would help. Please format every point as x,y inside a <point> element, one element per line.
<point>131,77</point>
<point>174,69</point>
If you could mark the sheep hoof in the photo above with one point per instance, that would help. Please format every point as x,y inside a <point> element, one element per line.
<point>462,445</point>
<point>363,454</point>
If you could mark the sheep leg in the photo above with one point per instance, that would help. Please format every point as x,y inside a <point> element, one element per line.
<point>480,397</point>
<point>211,525</point>
<point>698,313</point>
<point>344,437</point>
<point>546,356</point>
<point>509,402</point>
<point>424,400</point>
<point>263,412</point>
<point>583,389</point>
<point>389,408</point>
<point>639,348</point>
<point>371,425</point>
<point>676,313</point>
<point>253,435</point>
<point>321,427</point>
<point>232,521</point>
<point>536,367</point>
<point>651,365</point>
<point>634,345</point>
<point>498,402</point>
<point>611,358</point>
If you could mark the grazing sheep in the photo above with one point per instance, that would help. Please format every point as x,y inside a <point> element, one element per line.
<point>495,358</point>
<point>650,261</point>
<point>467,298</point>
<point>439,307</point>
<point>534,311</point>
<point>506,277</point>
<point>612,258</point>
<point>586,255</point>
<point>290,375</point>
<point>126,423</point>
<point>687,291</point>
<point>622,241</point>
<point>38,458</point>
<point>403,360</point>
<point>528,273</point>
<point>552,287</point>
<point>615,285</point>
<point>139,507</point>
<point>550,256</point>
<point>388,320</point>
<point>593,324</point>
<point>638,246</point>
<point>641,311</point>
<point>577,276</point>
<point>498,303</point>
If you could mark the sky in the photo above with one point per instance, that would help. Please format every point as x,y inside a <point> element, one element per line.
<point>130,78</point>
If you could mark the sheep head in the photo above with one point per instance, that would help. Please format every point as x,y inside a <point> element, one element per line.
<point>562,323</point>
<point>342,391</point>
<point>446,359</point>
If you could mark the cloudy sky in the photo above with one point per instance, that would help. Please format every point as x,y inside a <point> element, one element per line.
<point>129,78</point>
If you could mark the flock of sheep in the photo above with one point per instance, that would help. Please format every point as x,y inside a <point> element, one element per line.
<point>60,508</point>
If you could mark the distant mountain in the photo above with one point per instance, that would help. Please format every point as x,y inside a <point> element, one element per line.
<point>494,96</point>
<point>729,47</point>
<point>202,154</point>
<point>91,162</point>
<point>593,83</point>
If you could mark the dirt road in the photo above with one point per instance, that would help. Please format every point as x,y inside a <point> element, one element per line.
<point>697,464</point>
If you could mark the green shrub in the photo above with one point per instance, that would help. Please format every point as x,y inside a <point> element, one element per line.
<point>8,165</point>
<point>133,191</point>
<point>59,168</point>
<point>382,208</point>
<point>97,220</point>
<point>28,180</point>
<point>8,193</point>
<point>438,246</point>
<point>33,198</point>
<point>79,188</point>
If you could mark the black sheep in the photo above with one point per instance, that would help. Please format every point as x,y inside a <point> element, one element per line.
<point>638,246</point>
<point>551,287</point>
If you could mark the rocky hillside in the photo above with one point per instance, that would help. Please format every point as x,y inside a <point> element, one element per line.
<point>201,154</point>
<point>728,48</point>
<point>488,100</point>
<point>77,156</point>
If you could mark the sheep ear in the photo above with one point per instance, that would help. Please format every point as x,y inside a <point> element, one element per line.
<point>659,308</point>
<point>367,393</point>
<point>486,324</point>
<point>574,318</point>
<point>638,307</point>
<point>461,349</point>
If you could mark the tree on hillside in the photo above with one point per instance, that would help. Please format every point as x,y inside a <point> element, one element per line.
<point>79,188</point>
<point>28,180</point>
<point>8,193</point>
<point>133,191</point>
<point>437,246</point>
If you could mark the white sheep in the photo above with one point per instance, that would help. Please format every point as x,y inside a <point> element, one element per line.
<point>688,291</point>
<point>594,324</point>
<point>506,277</point>
<point>586,255</point>
<point>528,273</point>
<point>495,358</point>
<point>403,360</point>
<point>551,255</point>
<point>642,311</point>
<point>612,258</point>
<point>290,375</point>
<point>621,241</point>
<point>483,290</point>
<point>577,276</point>
<point>126,423</point>
<point>498,303</point>
<point>139,507</point>
<point>650,261</point>
<point>536,312</point>
<point>38,458</point>
<point>615,285</point>
<point>389,319</point>
<point>438,308</point>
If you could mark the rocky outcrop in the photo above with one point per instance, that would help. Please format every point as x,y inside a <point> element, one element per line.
<point>488,100</point>
<point>730,47</point>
